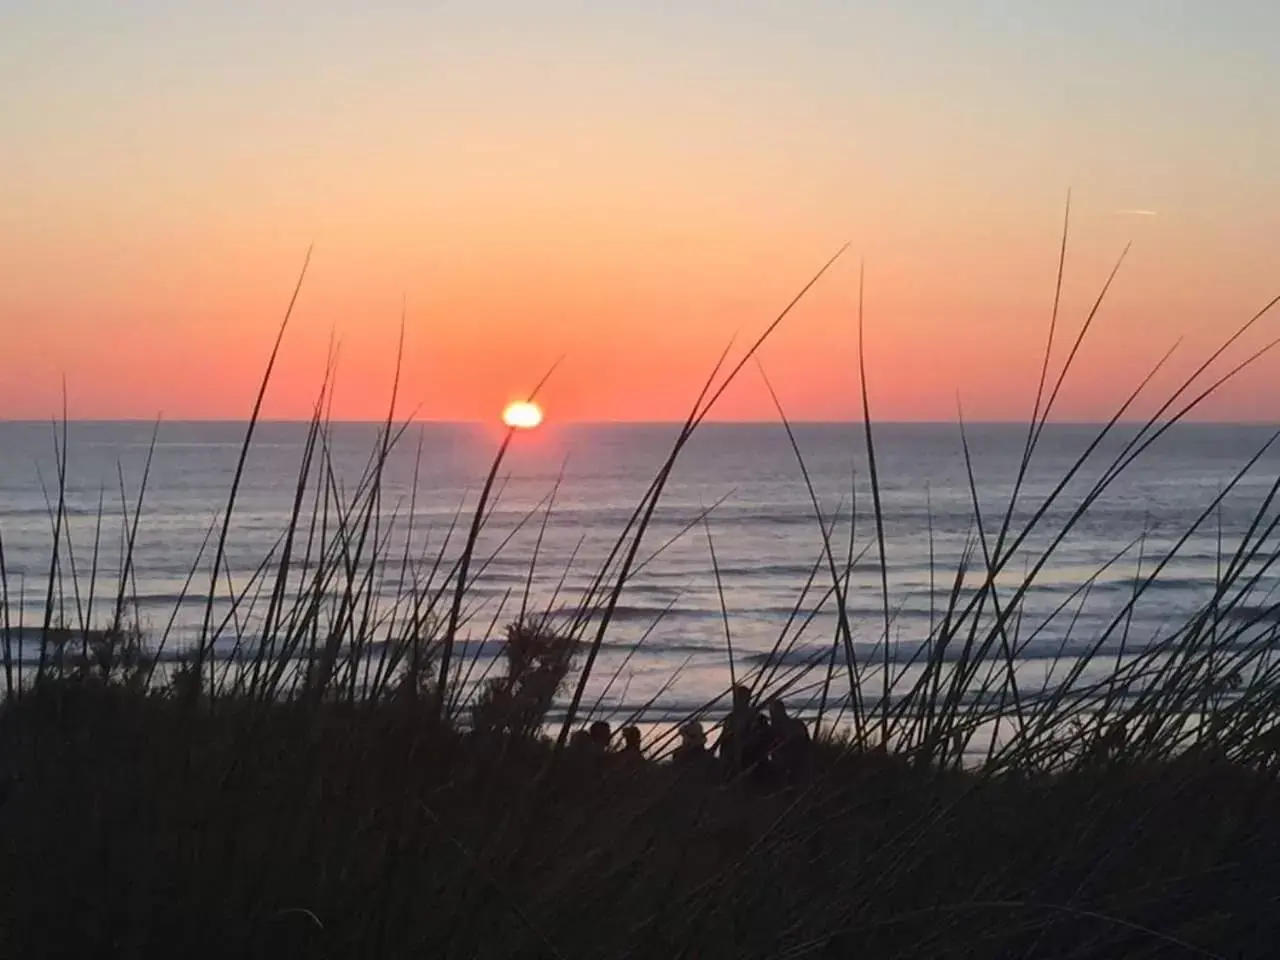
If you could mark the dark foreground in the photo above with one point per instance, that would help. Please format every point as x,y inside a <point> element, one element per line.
<point>138,827</point>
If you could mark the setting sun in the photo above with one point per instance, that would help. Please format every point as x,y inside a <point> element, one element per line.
<point>523,415</point>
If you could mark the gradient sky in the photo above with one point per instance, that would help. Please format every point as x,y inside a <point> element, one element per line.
<point>629,185</point>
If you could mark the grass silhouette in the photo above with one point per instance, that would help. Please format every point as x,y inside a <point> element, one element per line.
<point>326,772</point>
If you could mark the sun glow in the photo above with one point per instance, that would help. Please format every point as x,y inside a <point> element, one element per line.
<point>523,415</point>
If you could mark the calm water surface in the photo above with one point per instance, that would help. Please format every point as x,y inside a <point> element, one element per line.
<point>763,528</point>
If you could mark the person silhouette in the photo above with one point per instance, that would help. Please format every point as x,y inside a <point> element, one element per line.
<point>745,738</point>
<point>630,756</point>
<point>600,734</point>
<point>791,746</point>
<point>631,741</point>
<point>692,756</point>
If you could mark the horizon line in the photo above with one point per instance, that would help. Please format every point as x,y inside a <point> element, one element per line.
<point>486,423</point>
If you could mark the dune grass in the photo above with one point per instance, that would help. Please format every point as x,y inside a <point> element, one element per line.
<point>327,772</point>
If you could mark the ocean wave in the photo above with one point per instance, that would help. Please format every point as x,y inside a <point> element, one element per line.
<point>1046,651</point>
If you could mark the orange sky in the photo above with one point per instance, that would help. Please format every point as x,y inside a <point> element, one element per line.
<point>628,190</point>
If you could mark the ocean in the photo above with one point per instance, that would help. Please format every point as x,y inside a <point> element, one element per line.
<point>565,493</point>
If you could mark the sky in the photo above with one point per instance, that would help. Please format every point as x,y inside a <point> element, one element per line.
<point>631,187</point>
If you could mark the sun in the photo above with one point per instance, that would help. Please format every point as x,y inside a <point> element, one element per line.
<point>522,415</point>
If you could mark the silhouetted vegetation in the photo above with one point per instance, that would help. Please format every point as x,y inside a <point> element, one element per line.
<point>516,702</point>
<point>325,773</point>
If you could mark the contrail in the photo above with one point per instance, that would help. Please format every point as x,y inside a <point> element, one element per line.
<point>1136,213</point>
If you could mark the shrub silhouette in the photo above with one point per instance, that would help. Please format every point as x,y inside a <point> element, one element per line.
<point>117,655</point>
<point>538,660</point>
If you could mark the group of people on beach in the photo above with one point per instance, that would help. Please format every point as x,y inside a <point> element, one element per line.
<point>765,747</point>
